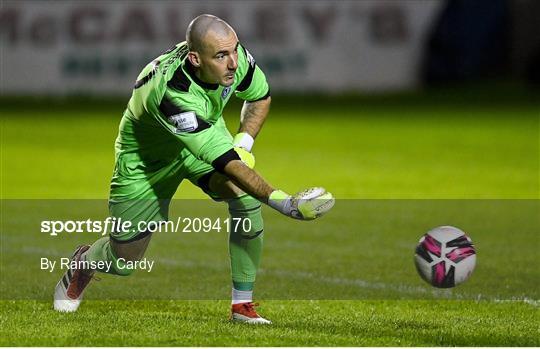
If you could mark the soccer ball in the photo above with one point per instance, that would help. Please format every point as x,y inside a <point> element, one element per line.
<point>445,257</point>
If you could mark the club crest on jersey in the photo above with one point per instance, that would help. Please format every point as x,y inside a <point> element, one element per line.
<point>225,92</point>
<point>184,122</point>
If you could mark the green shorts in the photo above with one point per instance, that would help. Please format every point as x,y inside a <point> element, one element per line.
<point>142,192</point>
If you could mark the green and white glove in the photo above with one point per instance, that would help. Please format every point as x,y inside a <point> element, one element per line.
<point>243,143</point>
<point>243,140</point>
<point>306,205</point>
<point>247,158</point>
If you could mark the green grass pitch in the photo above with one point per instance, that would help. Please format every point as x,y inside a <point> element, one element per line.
<point>398,167</point>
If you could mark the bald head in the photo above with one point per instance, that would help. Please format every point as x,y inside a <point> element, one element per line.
<point>203,25</point>
<point>213,50</point>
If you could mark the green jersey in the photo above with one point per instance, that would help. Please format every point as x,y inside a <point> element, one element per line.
<point>172,116</point>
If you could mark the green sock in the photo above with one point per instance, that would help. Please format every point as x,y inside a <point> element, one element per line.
<point>245,242</point>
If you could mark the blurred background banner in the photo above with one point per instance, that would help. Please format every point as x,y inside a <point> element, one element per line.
<point>60,47</point>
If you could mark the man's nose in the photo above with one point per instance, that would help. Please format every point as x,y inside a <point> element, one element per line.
<point>233,62</point>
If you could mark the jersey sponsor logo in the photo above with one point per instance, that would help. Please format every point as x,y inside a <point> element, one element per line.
<point>185,122</point>
<point>225,92</point>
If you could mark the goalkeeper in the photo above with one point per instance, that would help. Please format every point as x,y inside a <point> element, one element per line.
<point>173,129</point>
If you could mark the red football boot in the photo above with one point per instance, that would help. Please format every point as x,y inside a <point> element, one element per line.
<point>245,312</point>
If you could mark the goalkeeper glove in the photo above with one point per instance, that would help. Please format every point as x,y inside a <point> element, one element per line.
<point>243,143</point>
<point>247,158</point>
<point>306,205</point>
<point>243,140</point>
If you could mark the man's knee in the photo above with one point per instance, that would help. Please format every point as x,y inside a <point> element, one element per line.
<point>246,210</point>
<point>244,204</point>
<point>125,253</point>
<point>219,185</point>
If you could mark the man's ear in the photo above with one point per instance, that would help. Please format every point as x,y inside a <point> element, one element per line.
<point>194,59</point>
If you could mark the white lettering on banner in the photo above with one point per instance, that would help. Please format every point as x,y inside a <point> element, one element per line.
<point>102,46</point>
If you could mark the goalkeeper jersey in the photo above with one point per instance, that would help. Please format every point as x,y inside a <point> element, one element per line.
<point>171,110</point>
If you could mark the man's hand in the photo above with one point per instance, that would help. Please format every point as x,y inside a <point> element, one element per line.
<point>305,205</point>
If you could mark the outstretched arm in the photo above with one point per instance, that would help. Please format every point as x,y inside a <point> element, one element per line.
<point>248,180</point>
<point>308,204</point>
